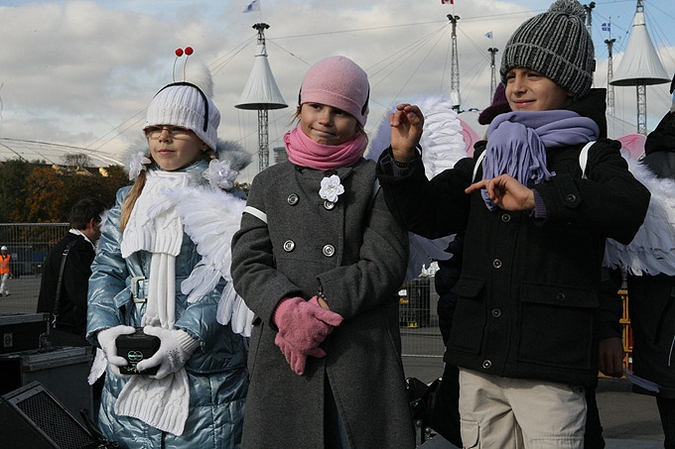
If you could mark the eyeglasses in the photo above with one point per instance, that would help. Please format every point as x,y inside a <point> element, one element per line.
<point>176,132</point>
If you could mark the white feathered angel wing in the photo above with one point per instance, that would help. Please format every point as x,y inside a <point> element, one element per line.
<point>442,146</point>
<point>211,217</point>
<point>652,250</point>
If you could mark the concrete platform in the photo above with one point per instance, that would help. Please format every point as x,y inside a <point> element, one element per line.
<point>438,442</point>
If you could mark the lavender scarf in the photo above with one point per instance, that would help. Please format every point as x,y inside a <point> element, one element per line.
<point>517,143</point>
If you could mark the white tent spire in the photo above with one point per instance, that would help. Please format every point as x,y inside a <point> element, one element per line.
<point>262,94</point>
<point>640,65</point>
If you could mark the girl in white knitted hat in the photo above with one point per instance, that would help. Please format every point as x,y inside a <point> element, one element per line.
<point>160,267</point>
<point>319,258</point>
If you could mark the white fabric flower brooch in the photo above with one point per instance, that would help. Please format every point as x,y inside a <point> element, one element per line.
<point>137,164</point>
<point>331,188</point>
<point>220,174</point>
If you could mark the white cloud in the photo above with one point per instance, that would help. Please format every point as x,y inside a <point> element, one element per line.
<point>82,72</point>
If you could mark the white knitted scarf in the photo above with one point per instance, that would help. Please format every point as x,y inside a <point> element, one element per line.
<point>155,226</point>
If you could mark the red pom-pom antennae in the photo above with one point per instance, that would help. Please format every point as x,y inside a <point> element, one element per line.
<point>188,51</point>
<point>179,53</point>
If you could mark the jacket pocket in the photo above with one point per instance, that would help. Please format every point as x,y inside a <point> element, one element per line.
<point>557,326</point>
<point>468,321</point>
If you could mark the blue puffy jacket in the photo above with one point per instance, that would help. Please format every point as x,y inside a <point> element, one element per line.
<point>216,370</point>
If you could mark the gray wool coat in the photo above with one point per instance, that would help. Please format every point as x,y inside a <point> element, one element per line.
<point>291,242</point>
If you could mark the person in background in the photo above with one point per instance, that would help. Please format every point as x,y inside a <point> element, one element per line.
<point>319,258</point>
<point>5,270</point>
<point>652,297</point>
<point>67,274</point>
<point>152,272</point>
<point>525,331</point>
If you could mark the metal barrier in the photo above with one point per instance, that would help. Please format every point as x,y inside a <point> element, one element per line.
<point>28,243</point>
<point>418,319</point>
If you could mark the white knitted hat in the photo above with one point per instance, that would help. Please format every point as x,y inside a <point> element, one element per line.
<point>185,104</point>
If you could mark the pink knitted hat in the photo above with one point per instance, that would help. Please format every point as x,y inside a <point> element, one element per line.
<point>338,82</point>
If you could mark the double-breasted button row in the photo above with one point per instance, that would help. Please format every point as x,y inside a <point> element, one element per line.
<point>294,199</point>
<point>327,250</point>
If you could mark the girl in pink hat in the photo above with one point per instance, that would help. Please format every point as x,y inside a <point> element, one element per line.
<point>319,259</point>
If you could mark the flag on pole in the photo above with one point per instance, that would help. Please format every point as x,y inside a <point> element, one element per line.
<point>253,6</point>
<point>446,2</point>
<point>606,26</point>
<point>488,34</point>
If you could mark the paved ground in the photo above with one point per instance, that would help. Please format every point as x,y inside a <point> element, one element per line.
<point>629,420</point>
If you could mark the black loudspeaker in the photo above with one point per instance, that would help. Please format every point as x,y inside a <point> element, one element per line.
<point>32,418</point>
<point>61,370</point>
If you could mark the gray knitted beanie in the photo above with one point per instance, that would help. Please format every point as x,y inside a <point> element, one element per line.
<point>557,45</point>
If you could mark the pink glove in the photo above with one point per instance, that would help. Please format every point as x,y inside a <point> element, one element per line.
<point>303,325</point>
<point>175,348</point>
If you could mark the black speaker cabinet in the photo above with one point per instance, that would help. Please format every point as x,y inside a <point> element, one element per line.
<point>22,331</point>
<point>32,418</point>
<point>61,370</point>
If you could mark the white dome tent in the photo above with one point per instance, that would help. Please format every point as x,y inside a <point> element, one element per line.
<point>53,153</point>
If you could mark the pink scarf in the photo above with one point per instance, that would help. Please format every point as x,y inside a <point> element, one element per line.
<point>305,152</point>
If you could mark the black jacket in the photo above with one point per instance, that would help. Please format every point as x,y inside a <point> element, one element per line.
<point>652,298</point>
<point>73,301</point>
<point>528,295</point>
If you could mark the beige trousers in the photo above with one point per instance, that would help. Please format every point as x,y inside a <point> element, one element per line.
<point>504,413</point>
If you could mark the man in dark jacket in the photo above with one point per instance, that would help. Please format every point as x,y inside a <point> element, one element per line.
<point>70,316</point>
<point>652,298</point>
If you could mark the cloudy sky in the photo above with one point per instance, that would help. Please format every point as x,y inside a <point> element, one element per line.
<point>82,72</point>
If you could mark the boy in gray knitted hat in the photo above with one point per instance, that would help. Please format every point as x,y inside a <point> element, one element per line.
<point>529,315</point>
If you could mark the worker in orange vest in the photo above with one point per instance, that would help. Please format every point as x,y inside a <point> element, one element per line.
<point>5,271</point>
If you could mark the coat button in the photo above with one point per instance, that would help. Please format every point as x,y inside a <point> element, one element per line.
<point>328,205</point>
<point>289,245</point>
<point>496,313</point>
<point>506,218</point>
<point>293,199</point>
<point>571,198</point>
<point>328,250</point>
<point>497,263</point>
<point>560,296</point>
<point>487,364</point>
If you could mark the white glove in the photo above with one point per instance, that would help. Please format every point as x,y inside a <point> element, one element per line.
<point>106,339</point>
<point>175,348</point>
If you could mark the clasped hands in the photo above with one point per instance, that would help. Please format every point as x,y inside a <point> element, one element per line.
<point>303,326</point>
<point>176,347</point>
